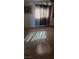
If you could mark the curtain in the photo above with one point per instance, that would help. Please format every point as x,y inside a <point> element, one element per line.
<point>41,12</point>
<point>41,15</point>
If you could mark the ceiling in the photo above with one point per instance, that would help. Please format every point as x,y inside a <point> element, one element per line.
<point>34,1</point>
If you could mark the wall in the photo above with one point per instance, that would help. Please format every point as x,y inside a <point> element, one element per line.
<point>29,20</point>
<point>52,19</point>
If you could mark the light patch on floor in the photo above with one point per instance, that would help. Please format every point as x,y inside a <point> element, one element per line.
<point>43,49</point>
<point>32,36</point>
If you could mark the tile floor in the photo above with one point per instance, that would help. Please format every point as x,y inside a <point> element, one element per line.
<point>39,43</point>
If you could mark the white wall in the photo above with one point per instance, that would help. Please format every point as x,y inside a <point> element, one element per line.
<point>29,19</point>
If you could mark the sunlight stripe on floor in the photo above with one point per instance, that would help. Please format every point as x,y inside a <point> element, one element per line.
<point>39,35</point>
<point>30,36</point>
<point>27,37</point>
<point>35,37</point>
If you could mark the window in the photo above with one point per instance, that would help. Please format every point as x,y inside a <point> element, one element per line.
<point>41,12</point>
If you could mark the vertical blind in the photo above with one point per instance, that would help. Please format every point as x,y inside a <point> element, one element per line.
<point>41,12</point>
